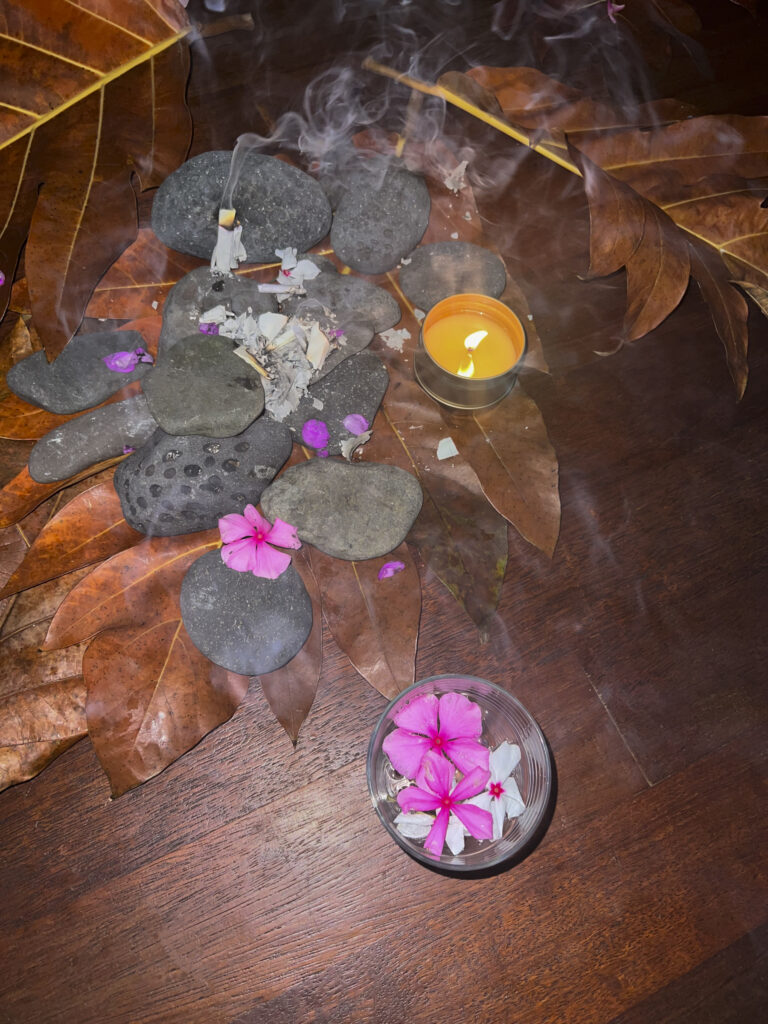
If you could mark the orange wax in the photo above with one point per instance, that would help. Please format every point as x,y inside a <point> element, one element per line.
<point>473,336</point>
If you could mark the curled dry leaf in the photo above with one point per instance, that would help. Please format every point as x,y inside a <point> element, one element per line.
<point>290,690</point>
<point>508,448</point>
<point>93,105</point>
<point>375,622</point>
<point>23,494</point>
<point>88,529</point>
<point>152,696</point>
<point>134,588</point>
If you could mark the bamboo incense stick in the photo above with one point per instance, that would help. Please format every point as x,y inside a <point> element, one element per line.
<point>458,101</point>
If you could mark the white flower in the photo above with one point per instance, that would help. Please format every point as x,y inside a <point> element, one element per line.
<point>416,825</point>
<point>501,797</point>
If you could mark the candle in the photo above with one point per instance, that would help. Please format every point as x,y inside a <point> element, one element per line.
<point>471,345</point>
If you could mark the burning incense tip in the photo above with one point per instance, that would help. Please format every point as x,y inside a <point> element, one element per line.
<point>226,217</point>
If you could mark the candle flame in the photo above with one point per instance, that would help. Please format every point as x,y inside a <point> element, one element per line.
<point>467,368</point>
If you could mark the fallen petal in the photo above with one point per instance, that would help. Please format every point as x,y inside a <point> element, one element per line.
<point>121,362</point>
<point>355,423</point>
<point>390,569</point>
<point>315,434</point>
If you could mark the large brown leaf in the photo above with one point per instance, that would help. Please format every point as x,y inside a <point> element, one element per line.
<point>92,101</point>
<point>22,421</point>
<point>88,529</point>
<point>290,690</point>
<point>22,494</point>
<point>134,588</point>
<point>508,448</point>
<point>375,622</point>
<point>152,696</point>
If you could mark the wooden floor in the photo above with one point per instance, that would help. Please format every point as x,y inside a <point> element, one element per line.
<point>251,883</point>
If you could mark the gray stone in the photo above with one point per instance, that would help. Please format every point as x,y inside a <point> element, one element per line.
<point>201,290</point>
<point>278,206</point>
<point>351,299</point>
<point>79,378</point>
<point>449,268</point>
<point>349,511</point>
<point>241,622</point>
<point>175,485</point>
<point>356,386</point>
<point>201,387</point>
<point>380,219</point>
<point>91,438</point>
<point>356,336</point>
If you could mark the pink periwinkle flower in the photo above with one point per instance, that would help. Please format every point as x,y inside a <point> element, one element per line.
<point>434,791</point>
<point>355,423</point>
<point>613,9</point>
<point>125,362</point>
<point>315,434</point>
<point>247,540</point>
<point>450,725</point>
<point>390,569</point>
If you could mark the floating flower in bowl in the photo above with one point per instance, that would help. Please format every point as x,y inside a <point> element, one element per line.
<point>459,773</point>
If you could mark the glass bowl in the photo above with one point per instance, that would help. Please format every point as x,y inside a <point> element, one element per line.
<point>503,718</point>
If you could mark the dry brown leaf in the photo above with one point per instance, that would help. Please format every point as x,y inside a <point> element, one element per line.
<point>133,588</point>
<point>375,622</point>
<point>22,494</point>
<point>88,529</point>
<point>94,101</point>
<point>152,696</point>
<point>290,690</point>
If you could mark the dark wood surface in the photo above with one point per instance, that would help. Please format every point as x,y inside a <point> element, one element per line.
<point>251,882</point>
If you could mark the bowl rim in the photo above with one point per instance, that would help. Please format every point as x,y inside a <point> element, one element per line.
<point>437,862</point>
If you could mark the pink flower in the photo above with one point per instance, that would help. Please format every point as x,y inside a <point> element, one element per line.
<point>433,792</point>
<point>209,328</point>
<point>355,423</point>
<point>125,362</point>
<point>315,434</point>
<point>450,726</point>
<point>613,9</point>
<point>390,569</point>
<point>247,539</point>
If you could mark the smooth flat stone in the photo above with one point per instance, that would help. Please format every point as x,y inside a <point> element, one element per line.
<point>241,622</point>
<point>201,290</point>
<point>91,438</point>
<point>278,206</point>
<point>450,268</point>
<point>380,219</point>
<point>175,485</point>
<point>356,386</point>
<point>79,378</point>
<point>348,511</point>
<point>201,387</point>
<point>351,298</point>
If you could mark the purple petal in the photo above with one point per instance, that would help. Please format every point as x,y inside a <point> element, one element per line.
<point>323,454</point>
<point>436,773</point>
<point>209,328</point>
<point>121,362</point>
<point>419,715</point>
<point>478,822</point>
<point>127,449</point>
<point>233,527</point>
<point>2,279</point>
<point>315,434</point>
<point>240,554</point>
<point>355,423</point>
<point>390,569</point>
<point>436,838</point>
<point>415,799</point>
<point>406,751</point>
<point>472,784</point>
<point>467,754</point>
<point>284,535</point>
<point>269,563</point>
<point>459,716</point>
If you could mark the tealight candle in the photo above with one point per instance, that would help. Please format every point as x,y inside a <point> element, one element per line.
<point>471,346</point>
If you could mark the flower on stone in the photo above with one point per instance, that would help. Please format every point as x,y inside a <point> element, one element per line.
<point>450,725</point>
<point>390,569</point>
<point>355,423</point>
<point>502,796</point>
<point>209,328</point>
<point>247,541</point>
<point>125,362</point>
<point>315,434</point>
<point>434,791</point>
<point>613,9</point>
